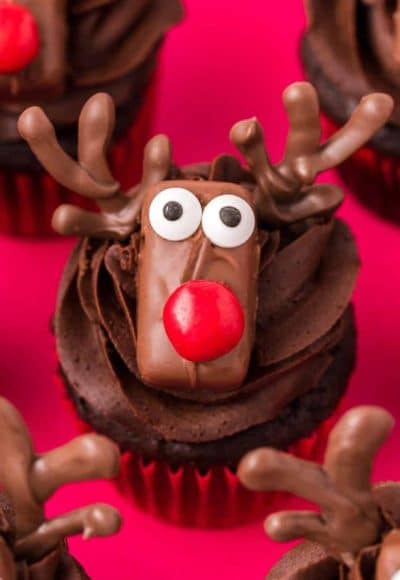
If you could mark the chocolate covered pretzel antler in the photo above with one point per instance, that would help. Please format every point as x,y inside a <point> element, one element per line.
<point>29,480</point>
<point>286,192</point>
<point>350,518</point>
<point>91,176</point>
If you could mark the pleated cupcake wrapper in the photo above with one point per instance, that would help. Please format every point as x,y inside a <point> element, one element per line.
<point>215,499</point>
<point>29,199</point>
<point>373,177</point>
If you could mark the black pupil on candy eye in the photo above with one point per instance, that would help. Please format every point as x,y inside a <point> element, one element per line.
<point>172,211</point>
<point>230,216</point>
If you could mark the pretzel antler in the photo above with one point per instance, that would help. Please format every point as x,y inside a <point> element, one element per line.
<point>91,176</point>
<point>90,521</point>
<point>28,480</point>
<point>350,518</point>
<point>285,191</point>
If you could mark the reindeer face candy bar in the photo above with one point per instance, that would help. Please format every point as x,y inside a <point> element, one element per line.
<point>356,535</point>
<point>197,293</point>
<point>31,546</point>
<point>207,310</point>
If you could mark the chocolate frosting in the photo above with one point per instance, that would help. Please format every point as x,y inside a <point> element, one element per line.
<point>293,276</point>
<point>86,45</point>
<point>355,535</point>
<point>360,53</point>
<point>32,547</point>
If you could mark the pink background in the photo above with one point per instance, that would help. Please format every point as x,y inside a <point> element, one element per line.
<point>229,60</point>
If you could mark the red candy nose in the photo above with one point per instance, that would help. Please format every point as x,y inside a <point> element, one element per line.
<point>203,319</point>
<point>19,37</point>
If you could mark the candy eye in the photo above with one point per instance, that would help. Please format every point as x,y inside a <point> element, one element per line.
<point>396,575</point>
<point>175,214</point>
<point>228,221</point>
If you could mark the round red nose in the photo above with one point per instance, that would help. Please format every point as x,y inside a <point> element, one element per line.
<point>19,37</point>
<point>203,319</point>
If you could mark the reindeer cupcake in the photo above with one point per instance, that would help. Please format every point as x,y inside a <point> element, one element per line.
<point>356,535</point>
<point>206,311</point>
<point>32,546</point>
<point>57,54</point>
<point>351,48</point>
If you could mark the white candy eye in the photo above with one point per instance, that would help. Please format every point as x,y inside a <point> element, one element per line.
<point>228,221</point>
<point>175,214</point>
<point>396,575</point>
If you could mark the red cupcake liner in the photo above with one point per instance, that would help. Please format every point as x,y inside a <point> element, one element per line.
<point>29,199</point>
<point>188,498</point>
<point>185,497</point>
<point>374,178</point>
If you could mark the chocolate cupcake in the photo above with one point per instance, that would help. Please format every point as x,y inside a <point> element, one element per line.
<point>352,48</point>
<point>58,54</point>
<point>356,535</point>
<point>207,311</point>
<point>31,546</point>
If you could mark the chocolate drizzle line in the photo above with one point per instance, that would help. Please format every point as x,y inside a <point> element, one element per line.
<point>284,192</point>
<point>285,195</point>
<point>29,480</point>
<point>350,519</point>
<point>90,176</point>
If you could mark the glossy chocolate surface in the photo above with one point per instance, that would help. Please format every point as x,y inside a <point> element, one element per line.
<point>31,546</point>
<point>164,265</point>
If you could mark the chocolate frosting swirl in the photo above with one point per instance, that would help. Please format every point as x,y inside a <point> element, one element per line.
<point>360,53</point>
<point>108,45</point>
<point>310,267</point>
